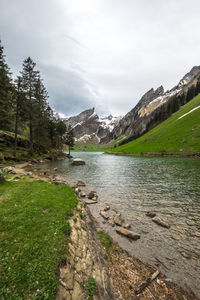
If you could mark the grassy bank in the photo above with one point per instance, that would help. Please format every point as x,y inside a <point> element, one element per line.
<point>83,147</point>
<point>172,137</point>
<point>33,230</point>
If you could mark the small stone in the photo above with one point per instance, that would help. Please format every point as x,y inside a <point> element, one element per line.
<point>29,173</point>
<point>90,201</point>
<point>127,226</point>
<point>91,195</point>
<point>130,234</point>
<point>118,220</point>
<point>82,194</point>
<point>55,169</point>
<point>150,214</point>
<point>80,183</point>
<point>107,207</point>
<point>104,214</point>
<point>77,191</point>
<point>160,222</point>
<point>78,162</point>
<point>111,222</point>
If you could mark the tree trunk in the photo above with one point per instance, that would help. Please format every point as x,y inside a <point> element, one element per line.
<point>31,135</point>
<point>16,131</point>
<point>69,150</point>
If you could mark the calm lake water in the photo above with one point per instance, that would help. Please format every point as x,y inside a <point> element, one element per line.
<point>168,186</point>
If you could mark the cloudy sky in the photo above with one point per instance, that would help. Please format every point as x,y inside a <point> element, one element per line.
<point>102,53</point>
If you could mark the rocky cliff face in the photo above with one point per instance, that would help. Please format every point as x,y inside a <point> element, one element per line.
<point>135,122</point>
<point>88,127</point>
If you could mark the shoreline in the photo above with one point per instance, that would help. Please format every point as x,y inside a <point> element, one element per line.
<point>126,271</point>
<point>155,155</point>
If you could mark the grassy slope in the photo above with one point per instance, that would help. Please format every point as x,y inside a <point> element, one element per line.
<point>33,224</point>
<point>173,136</point>
<point>83,147</point>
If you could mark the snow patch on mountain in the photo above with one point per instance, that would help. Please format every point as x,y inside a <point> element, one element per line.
<point>189,112</point>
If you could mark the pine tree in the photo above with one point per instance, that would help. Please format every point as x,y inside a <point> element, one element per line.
<point>29,79</point>
<point>70,138</point>
<point>6,93</point>
<point>18,108</point>
<point>40,126</point>
<point>61,131</point>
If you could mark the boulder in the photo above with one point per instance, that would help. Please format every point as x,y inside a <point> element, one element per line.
<point>91,194</point>
<point>80,183</point>
<point>150,214</point>
<point>89,201</point>
<point>104,214</point>
<point>2,179</point>
<point>130,234</point>
<point>9,170</point>
<point>118,220</point>
<point>78,162</point>
<point>82,194</point>
<point>160,222</point>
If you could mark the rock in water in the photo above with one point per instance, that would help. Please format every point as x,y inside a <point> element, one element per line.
<point>130,234</point>
<point>90,201</point>
<point>118,220</point>
<point>160,222</point>
<point>80,183</point>
<point>104,214</point>
<point>2,179</point>
<point>91,195</point>
<point>150,214</point>
<point>78,162</point>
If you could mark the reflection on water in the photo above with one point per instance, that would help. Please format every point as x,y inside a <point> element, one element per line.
<point>133,186</point>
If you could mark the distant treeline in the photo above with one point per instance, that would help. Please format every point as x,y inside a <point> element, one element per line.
<point>24,108</point>
<point>164,111</point>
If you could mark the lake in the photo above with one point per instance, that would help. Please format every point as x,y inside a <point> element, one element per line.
<point>132,185</point>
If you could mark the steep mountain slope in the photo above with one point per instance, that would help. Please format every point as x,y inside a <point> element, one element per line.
<point>89,128</point>
<point>144,115</point>
<point>179,134</point>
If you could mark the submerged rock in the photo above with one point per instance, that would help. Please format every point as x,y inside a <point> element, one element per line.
<point>91,195</point>
<point>130,234</point>
<point>118,220</point>
<point>89,201</point>
<point>78,162</point>
<point>80,183</point>
<point>160,222</point>
<point>150,214</point>
<point>104,214</point>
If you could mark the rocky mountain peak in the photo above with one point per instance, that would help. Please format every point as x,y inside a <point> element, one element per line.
<point>190,75</point>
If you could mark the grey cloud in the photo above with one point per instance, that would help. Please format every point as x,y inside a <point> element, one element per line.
<point>102,53</point>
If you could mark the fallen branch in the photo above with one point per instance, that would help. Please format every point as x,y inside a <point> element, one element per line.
<point>146,283</point>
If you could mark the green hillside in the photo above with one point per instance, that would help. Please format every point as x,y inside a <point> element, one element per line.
<point>174,136</point>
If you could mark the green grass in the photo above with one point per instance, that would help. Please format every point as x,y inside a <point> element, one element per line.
<point>171,137</point>
<point>105,240</point>
<point>33,237</point>
<point>91,287</point>
<point>83,147</point>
